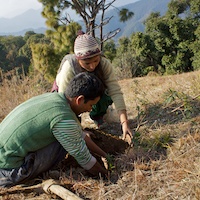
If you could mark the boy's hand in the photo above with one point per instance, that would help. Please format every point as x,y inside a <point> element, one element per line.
<point>108,162</point>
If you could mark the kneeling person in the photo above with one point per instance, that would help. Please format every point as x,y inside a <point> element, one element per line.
<point>39,133</point>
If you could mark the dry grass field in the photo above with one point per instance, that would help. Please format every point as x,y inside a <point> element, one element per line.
<point>162,164</point>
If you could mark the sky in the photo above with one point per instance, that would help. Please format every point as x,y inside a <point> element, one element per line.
<point>12,8</point>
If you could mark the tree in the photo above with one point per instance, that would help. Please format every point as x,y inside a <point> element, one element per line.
<point>173,35</point>
<point>87,9</point>
<point>48,52</point>
<point>124,60</point>
<point>110,50</point>
<point>45,60</point>
<point>31,38</point>
<point>10,46</point>
<point>63,37</point>
<point>196,50</point>
<point>145,54</point>
<point>3,60</point>
<point>125,14</point>
<point>63,31</point>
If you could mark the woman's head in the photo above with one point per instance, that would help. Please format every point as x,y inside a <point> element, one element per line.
<point>86,46</point>
<point>87,51</point>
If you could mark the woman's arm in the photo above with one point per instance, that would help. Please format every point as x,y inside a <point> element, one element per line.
<point>127,133</point>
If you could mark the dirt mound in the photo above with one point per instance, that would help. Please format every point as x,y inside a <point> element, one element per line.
<point>110,144</point>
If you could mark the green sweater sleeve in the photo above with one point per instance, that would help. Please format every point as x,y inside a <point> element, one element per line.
<point>69,135</point>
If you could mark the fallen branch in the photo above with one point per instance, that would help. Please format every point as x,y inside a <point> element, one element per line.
<point>51,186</point>
<point>182,105</point>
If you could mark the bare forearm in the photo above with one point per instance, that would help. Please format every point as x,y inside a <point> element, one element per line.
<point>93,147</point>
<point>123,116</point>
<point>127,133</point>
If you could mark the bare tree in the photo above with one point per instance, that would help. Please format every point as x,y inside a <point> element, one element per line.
<point>88,10</point>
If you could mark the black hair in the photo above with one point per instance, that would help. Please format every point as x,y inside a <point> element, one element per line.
<point>86,84</point>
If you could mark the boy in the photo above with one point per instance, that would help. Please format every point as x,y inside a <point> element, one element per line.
<point>38,133</point>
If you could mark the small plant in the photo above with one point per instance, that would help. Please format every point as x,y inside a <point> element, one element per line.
<point>171,96</point>
<point>156,142</point>
<point>110,162</point>
<point>181,100</point>
<point>136,139</point>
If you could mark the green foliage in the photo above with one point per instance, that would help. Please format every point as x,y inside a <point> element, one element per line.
<point>31,38</point>
<point>181,101</point>
<point>177,7</point>
<point>28,34</point>
<point>196,50</point>
<point>157,142</point>
<point>9,53</point>
<point>124,59</point>
<point>167,44</point>
<point>144,53</point>
<point>125,14</point>
<point>109,50</point>
<point>46,61</point>
<point>110,162</point>
<point>55,12</point>
<point>173,36</point>
<point>63,37</point>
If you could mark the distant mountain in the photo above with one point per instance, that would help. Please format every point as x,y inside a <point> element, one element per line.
<point>32,19</point>
<point>22,33</point>
<point>141,9</point>
<point>29,20</point>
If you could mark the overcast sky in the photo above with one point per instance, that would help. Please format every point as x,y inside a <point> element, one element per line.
<point>12,8</point>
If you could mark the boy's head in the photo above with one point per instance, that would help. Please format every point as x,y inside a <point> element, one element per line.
<point>86,46</point>
<point>85,84</point>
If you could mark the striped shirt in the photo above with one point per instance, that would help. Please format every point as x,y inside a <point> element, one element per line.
<point>71,137</point>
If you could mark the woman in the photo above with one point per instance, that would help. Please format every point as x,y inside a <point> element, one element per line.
<point>88,57</point>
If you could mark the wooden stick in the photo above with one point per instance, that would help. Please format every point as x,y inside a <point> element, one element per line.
<point>51,186</point>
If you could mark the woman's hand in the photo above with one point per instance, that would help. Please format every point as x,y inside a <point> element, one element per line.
<point>127,133</point>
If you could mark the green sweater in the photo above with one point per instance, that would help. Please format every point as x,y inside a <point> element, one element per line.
<point>29,127</point>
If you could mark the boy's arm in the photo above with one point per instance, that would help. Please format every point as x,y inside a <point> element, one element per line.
<point>73,142</point>
<point>97,168</point>
<point>93,147</point>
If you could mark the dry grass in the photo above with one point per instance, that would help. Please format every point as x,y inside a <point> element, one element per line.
<point>164,161</point>
<point>15,90</point>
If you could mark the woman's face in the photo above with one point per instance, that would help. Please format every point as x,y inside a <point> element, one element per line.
<point>90,64</point>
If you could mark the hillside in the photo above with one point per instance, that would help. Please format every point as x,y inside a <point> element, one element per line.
<point>163,162</point>
<point>19,25</point>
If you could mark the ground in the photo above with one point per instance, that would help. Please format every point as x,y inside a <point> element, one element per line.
<point>163,162</point>
<point>33,189</point>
